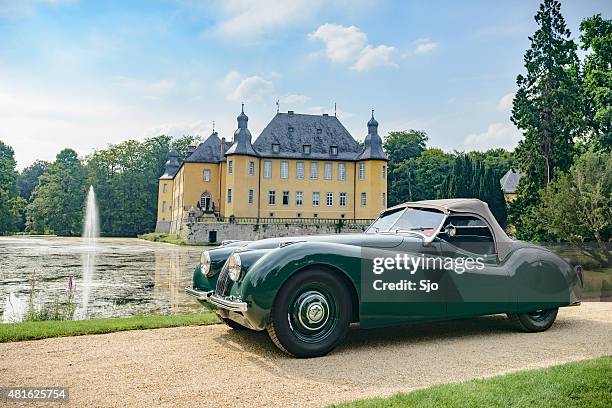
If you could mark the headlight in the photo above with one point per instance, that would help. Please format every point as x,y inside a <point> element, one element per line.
<point>205,263</point>
<point>234,266</point>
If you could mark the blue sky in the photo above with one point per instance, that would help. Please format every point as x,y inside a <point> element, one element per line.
<point>85,74</point>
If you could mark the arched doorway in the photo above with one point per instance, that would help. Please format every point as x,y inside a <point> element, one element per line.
<point>206,204</point>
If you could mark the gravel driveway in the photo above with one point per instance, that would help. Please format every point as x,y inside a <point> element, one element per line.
<point>216,366</point>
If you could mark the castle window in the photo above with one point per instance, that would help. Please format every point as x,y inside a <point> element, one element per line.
<point>315,215</point>
<point>341,171</point>
<point>329,199</point>
<point>316,197</point>
<point>299,198</point>
<point>384,200</point>
<point>384,171</point>
<point>362,171</point>
<point>342,199</point>
<point>364,198</point>
<point>267,169</point>
<point>333,150</point>
<point>164,206</point>
<point>271,197</point>
<point>165,188</point>
<point>206,175</point>
<point>285,198</point>
<point>314,170</point>
<point>327,171</point>
<point>275,148</point>
<point>229,195</point>
<point>299,215</point>
<point>230,166</point>
<point>284,170</point>
<point>251,194</point>
<point>205,202</point>
<point>306,149</point>
<point>251,168</point>
<point>299,170</point>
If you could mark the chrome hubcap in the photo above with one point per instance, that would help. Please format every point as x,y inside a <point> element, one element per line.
<point>312,310</point>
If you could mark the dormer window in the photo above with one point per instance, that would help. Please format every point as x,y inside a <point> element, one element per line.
<point>319,131</point>
<point>290,129</point>
<point>333,150</point>
<point>306,149</point>
<point>275,147</point>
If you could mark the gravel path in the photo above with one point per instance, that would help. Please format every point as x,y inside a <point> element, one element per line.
<point>216,366</point>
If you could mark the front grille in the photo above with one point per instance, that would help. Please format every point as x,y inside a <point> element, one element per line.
<point>223,281</point>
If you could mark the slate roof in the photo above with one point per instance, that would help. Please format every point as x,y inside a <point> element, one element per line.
<point>209,151</point>
<point>291,131</point>
<point>510,181</point>
<point>372,144</point>
<point>242,137</point>
<point>172,165</point>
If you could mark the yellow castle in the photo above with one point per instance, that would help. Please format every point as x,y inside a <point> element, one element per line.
<point>300,166</point>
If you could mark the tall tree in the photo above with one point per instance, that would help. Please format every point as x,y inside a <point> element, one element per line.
<point>597,79</point>
<point>401,146</point>
<point>28,178</point>
<point>421,178</point>
<point>57,201</point>
<point>10,202</point>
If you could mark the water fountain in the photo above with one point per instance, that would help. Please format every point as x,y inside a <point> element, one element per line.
<point>91,231</point>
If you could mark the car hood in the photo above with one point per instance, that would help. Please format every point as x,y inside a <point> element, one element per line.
<point>362,240</point>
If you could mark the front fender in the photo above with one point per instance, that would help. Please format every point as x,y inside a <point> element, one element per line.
<point>270,272</point>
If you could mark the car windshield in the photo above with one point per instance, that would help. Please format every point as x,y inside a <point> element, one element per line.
<point>407,219</point>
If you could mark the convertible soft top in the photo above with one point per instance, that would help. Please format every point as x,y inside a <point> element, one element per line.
<point>466,205</point>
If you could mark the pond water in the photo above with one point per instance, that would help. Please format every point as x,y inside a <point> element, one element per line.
<point>128,276</point>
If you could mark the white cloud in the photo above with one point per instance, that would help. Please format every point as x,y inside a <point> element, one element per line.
<point>497,135</point>
<point>505,103</point>
<point>246,89</point>
<point>196,128</point>
<point>294,99</point>
<point>372,57</point>
<point>424,46</point>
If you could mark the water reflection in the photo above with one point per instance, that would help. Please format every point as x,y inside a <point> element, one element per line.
<point>129,276</point>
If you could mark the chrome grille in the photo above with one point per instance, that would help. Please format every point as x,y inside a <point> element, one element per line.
<point>223,281</point>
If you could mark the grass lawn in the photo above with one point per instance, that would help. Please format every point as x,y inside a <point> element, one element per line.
<point>580,384</point>
<point>170,239</point>
<point>44,329</point>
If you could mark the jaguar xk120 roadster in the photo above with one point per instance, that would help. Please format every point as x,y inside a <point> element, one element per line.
<point>426,260</point>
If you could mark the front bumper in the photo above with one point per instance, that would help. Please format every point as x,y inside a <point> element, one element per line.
<point>216,300</point>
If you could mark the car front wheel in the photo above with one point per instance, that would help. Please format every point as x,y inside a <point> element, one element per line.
<point>536,321</point>
<point>311,314</point>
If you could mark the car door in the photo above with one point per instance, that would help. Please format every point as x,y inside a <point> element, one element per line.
<point>475,282</point>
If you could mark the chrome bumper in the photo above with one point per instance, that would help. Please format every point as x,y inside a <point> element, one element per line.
<point>218,301</point>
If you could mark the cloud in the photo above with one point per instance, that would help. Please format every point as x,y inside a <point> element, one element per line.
<point>246,89</point>
<point>196,128</point>
<point>424,46</point>
<point>294,99</point>
<point>26,8</point>
<point>506,101</point>
<point>497,135</point>
<point>350,45</point>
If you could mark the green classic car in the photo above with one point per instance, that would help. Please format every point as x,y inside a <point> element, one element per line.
<point>426,260</point>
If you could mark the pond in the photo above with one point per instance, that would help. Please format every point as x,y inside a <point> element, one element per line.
<point>128,276</point>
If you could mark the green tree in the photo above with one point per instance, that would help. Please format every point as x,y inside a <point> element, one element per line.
<point>548,109</point>
<point>422,178</point>
<point>28,178</point>
<point>401,146</point>
<point>57,201</point>
<point>577,206</point>
<point>10,203</point>
<point>597,78</point>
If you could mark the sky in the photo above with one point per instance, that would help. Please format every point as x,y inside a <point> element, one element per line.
<point>86,74</point>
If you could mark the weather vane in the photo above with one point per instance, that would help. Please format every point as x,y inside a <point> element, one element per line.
<point>335,113</point>
<point>277,105</point>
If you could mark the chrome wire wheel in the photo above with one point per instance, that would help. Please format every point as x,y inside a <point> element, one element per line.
<point>312,314</point>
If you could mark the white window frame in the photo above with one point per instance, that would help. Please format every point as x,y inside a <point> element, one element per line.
<point>251,196</point>
<point>164,206</point>
<point>229,195</point>
<point>299,198</point>
<point>271,197</point>
<point>288,195</point>
<point>284,170</point>
<point>267,173</point>
<point>384,171</point>
<point>165,188</point>
<point>329,199</point>
<point>327,171</point>
<point>341,171</point>
<point>342,200</point>
<point>361,170</point>
<point>314,170</point>
<point>299,170</point>
<point>230,166</point>
<point>364,199</point>
<point>206,175</point>
<point>316,198</point>
<point>251,168</point>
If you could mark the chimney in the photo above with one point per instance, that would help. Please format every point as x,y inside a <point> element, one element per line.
<point>290,113</point>
<point>222,147</point>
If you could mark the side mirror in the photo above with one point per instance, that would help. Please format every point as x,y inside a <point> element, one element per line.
<point>450,230</point>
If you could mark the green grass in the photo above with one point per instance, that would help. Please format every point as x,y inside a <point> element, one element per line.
<point>581,384</point>
<point>170,239</point>
<point>45,329</point>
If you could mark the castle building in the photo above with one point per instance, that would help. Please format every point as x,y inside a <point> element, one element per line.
<point>300,166</point>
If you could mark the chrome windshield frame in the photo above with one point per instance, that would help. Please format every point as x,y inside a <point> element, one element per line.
<point>420,233</point>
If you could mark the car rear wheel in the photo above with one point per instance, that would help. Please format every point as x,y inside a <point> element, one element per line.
<point>311,314</point>
<point>536,321</point>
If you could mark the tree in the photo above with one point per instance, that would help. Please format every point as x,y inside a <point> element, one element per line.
<point>57,201</point>
<point>597,79</point>
<point>401,146</point>
<point>10,203</point>
<point>548,109</point>
<point>577,206</point>
<point>421,178</point>
<point>28,178</point>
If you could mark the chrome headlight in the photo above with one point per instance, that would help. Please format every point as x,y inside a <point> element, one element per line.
<point>234,266</point>
<point>205,263</point>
